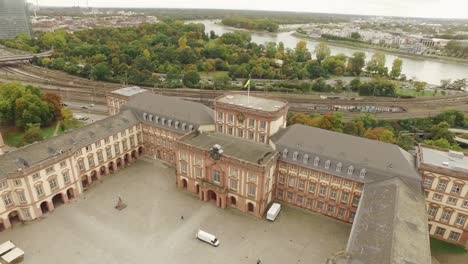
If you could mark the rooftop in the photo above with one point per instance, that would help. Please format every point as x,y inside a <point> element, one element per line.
<point>30,155</point>
<point>448,160</point>
<point>252,102</point>
<point>232,146</point>
<point>129,91</point>
<point>381,160</point>
<point>172,108</point>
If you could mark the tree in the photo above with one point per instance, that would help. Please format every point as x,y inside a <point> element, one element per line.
<point>354,127</point>
<point>221,82</point>
<point>182,42</point>
<point>315,70</point>
<point>368,120</point>
<point>355,35</point>
<point>441,130</point>
<point>406,142</point>
<point>66,113</point>
<point>356,63</point>
<point>443,143</point>
<point>302,53</point>
<point>454,118</point>
<point>101,71</point>
<point>56,102</point>
<point>32,134</point>
<point>377,64</point>
<point>322,51</point>
<point>380,134</point>
<point>396,68</point>
<point>9,93</point>
<point>191,79</point>
<point>419,86</point>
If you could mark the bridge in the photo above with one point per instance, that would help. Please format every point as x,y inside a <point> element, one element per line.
<point>26,57</point>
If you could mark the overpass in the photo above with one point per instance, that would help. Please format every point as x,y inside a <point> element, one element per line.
<point>11,59</point>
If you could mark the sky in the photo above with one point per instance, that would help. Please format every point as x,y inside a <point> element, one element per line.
<point>411,8</point>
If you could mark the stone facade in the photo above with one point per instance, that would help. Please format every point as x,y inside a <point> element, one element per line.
<point>446,190</point>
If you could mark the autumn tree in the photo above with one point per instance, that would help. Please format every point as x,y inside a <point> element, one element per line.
<point>380,134</point>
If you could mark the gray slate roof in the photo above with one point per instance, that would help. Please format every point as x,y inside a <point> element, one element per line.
<point>390,226</point>
<point>172,108</point>
<point>232,146</point>
<point>80,137</point>
<point>380,160</point>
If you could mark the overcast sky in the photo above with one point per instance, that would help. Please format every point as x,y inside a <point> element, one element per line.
<point>414,8</point>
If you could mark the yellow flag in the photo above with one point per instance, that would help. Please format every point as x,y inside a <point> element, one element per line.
<point>247,83</point>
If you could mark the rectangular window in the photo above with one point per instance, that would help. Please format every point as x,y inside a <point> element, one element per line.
<point>26,214</point>
<point>323,190</point>
<point>251,135</point>
<point>53,184</point>
<point>230,118</point>
<point>252,178</point>
<point>91,161</point>
<point>108,152</point>
<point>442,185</point>
<point>301,184</point>
<point>351,216</point>
<point>230,131</point>
<point>299,200</point>
<point>356,200</point>
<point>261,138</point>
<point>198,172</point>
<point>279,195</point>
<point>89,148</point>
<point>125,144</point>
<point>341,212</point>
<point>117,148</point>
<point>66,177</point>
<point>309,202</point>
<point>290,196</point>
<point>432,211</point>
<point>437,197</point>
<point>461,219</point>
<point>465,204</point>
<point>333,194</point>
<point>183,167</point>
<point>220,116</point>
<point>7,200</point>
<point>312,187</point>
<point>440,231</point>
<point>251,122</point>
<point>35,176</point>
<point>216,176</point>
<point>63,164</point>
<point>456,188</point>
<point>17,182</point>
<point>319,206</point>
<point>262,125</point>
<point>132,141</point>
<point>454,236</point>
<point>50,169</point>
<point>331,209</point>
<point>344,197</point>
<point>21,196</point>
<point>446,216</point>
<point>281,178</point>
<point>39,190</point>
<point>428,182</point>
<point>292,182</point>
<point>81,165</point>
<point>240,132</point>
<point>100,157</point>
<point>233,184</point>
<point>252,190</point>
<point>452,201</point>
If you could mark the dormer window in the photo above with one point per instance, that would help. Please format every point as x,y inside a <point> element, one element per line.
<point>176,125</point>
<point>327,164</point>
<point>350,170</point>
<point>163,121</point>
<point>305,159</point>
<point>295,154</point>
<point>285,154</point>
<point>184,126</point>
<point>151,118</point>
<point>145,116</point>
<point>169,122</point>
<point>316,161</point>
<point>362,173</point>
<point>190,127</point>
<point>338,167</point>
<point>156,119</point>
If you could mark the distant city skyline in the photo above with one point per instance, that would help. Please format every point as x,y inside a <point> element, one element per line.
<point>404,8</point>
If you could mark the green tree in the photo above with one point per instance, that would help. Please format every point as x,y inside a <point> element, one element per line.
<point>302,53</point>
<point>356,63</point>
<point>101,71</point>
<point>354,127</point>
<point>221,82</point>
<point>322,51</point>
<point>396,68</point>
<point>443,143</point>
<point>376,65</point>
<point>355,35</point>
<point>32,134</point>
<point>441,130</point>
<point>191,79</point>
<point>419,86</point>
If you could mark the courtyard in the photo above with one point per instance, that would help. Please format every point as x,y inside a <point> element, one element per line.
<point>150,230</point>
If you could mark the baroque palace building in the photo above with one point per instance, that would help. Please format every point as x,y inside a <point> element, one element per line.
<point>241,155</point>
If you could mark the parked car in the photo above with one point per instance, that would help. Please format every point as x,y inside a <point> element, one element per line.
<point>207,237</point>
<point>273,212</point>
<point>84,107</point>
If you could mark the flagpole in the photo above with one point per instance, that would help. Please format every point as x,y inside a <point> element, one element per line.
<point>248,90</point>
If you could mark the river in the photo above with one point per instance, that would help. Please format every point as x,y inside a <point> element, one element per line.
<point>430,71</point>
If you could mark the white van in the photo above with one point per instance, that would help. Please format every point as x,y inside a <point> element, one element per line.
<point>273,212</point>
<point>207,237</point>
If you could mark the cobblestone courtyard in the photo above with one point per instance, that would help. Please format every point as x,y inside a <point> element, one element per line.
<point>150,229</point>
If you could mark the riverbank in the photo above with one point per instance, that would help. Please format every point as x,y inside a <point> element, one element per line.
<point>364,46</point>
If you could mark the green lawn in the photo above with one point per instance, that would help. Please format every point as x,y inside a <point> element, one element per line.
<point>442,247</point>
<point>412,92</point>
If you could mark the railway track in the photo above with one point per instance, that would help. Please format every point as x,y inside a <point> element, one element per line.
<point>80,89</point>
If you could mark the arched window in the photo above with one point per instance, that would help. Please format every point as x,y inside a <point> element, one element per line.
<point>338,167</point>
<point>285,153</point>
<point>295,154</point>
<point>305,159</point>
<point>350,170</point>
<point>316,161</point>
<point>327,164</point>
